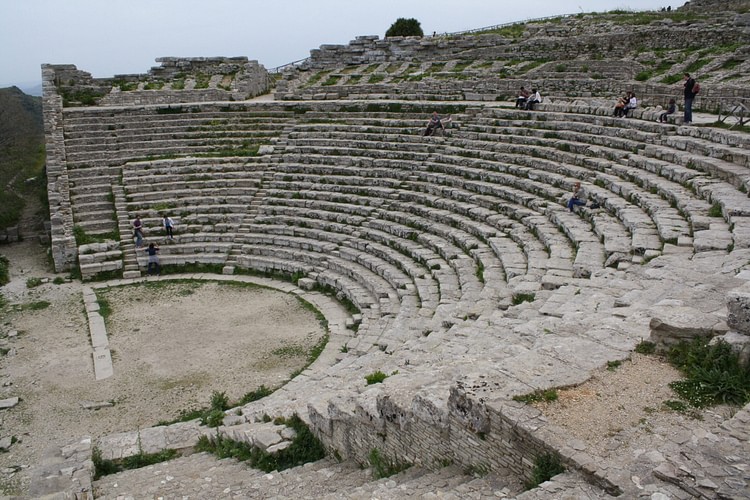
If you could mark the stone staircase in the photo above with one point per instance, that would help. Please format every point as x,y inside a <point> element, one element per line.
<point>131,268</point>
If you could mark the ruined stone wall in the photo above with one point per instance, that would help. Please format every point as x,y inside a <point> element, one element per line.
<point>58,190</point>
<point>234,78</point>
<point>426,431</point>
<point>494,88</point>
<point>558,44</point>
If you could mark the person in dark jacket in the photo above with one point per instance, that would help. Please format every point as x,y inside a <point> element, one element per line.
<point>689,96</point>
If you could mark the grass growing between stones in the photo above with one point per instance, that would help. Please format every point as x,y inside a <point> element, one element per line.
<point>383,466</point>
<point>714,373</point>
<point>375,377</point>
<point>546,395</point>
<point>105,467</point>
<point>545,468</point>
<point>213,416</point>
<point>520,298</point>
<point>305,448</point>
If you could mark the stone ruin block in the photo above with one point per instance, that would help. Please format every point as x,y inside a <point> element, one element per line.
<point>672,324</point>
<point>738,318</point>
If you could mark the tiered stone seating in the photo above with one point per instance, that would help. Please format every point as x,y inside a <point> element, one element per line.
<point>432,239</point>
<point>99,141</point>
<point>207,198</point>
<point>700,178</point>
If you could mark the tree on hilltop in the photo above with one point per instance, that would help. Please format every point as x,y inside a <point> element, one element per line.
<point>405,27</point>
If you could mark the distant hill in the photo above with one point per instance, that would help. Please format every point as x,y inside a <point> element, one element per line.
<point>20,117</point>
<point>21,152</point>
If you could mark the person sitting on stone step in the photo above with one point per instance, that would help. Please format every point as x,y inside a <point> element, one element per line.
<point>533,99</point>
<point>434,124</point>
<point>671,109</point>
<point>523,96</point>
<point>578,198</point>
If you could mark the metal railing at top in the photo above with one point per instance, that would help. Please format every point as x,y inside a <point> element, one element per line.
<point>293,64</point>
<point>505,25</point>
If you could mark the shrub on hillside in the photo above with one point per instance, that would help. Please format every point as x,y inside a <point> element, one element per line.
<point>405,27</point>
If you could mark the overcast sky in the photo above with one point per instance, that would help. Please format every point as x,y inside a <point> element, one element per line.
<point>108,37</point>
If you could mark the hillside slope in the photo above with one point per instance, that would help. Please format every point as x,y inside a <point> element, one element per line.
<point>21,152</point>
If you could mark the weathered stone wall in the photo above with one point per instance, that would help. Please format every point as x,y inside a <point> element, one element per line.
<point>58,190</point>
<point>494,88</point>
<point>245,79</point>
<point>541,42</point>
<point>422,429</point>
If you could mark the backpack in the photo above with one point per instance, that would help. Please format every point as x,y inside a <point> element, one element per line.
<point>696,88</point>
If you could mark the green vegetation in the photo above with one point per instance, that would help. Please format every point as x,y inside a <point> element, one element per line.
<point>715,210</point>
<point>625,17</point>
<point>714,373</point>
<point>332,80</point>
<point>33,282</point>
<point>34,306</point>
<point>4,274</point>
<point>81,97</point>
<point>645,347</point>
<point>642,76</point>
<point>385,467</point>
<point>545,468</point>
<point>59,280</point>
<point>305,448</point>
<point>538,396</point>
<point>22,155</point>
<point>201,81</point>
<point>155,85</point>
<point>520,298</point>
<point>696,65</point>
<point>613,365</point>
<point>670,79</point>
<point>513,31</point>
<point>376,78</point>
<point>83,238</point>
<point>731,64</point>
<point>125,86</point>
<point>375,377</point>
<point>104,467</point>
<point>405,27</point>
<point>259,393</point>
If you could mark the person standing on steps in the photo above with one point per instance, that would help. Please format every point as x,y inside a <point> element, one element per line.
<point>153,260</point>
<point>689,96</point>
<point>138,231</point>
<point>168,224</point>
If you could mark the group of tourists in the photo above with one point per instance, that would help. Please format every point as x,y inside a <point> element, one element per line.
<point>527,100</point>
<point>153,249</point>
<point>690,90</point>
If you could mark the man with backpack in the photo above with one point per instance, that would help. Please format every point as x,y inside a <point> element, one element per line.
<point>691,89</point>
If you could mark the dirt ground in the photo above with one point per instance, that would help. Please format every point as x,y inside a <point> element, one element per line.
<point>172,344</point>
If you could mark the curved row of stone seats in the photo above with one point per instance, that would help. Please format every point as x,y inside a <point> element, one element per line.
<point>709,171</point>
<point>429,180</point>
<point>670,193</point>
<point>667,220</point>
<point>206,198</point>
<point>381,254</point>
<point>99,141</point>
<point>426,272</point>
